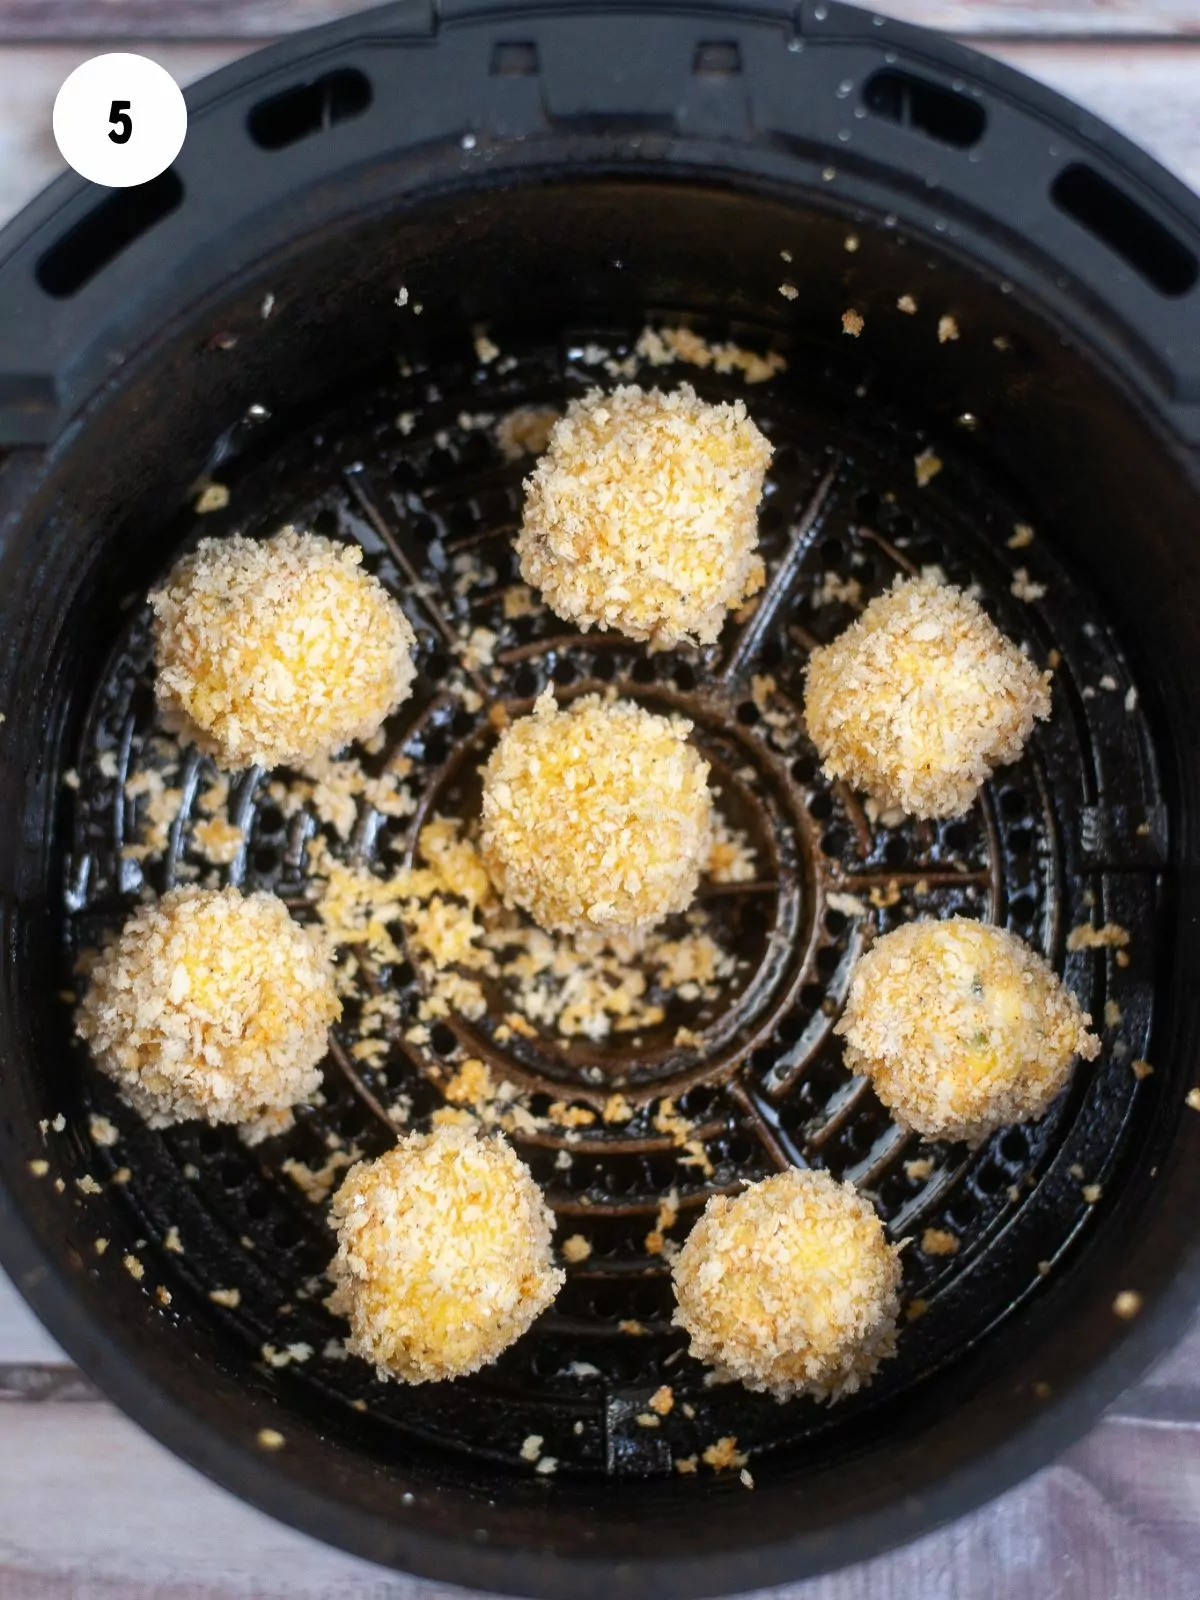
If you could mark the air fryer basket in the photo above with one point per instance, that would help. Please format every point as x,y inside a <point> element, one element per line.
<point>556,179</point>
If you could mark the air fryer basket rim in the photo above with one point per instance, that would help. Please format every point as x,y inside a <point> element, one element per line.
<point>36,406</point>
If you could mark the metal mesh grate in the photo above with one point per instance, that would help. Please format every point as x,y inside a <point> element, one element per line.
<point>1071,834</point>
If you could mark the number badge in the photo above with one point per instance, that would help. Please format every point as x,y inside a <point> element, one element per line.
<point>120,119</point>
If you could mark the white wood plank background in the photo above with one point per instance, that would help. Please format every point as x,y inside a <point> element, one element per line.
<point>91,1509</point>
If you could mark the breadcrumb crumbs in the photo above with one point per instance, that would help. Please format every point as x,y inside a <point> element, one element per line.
<point>279,650</point>
<point>1022,536</point>
<point>231,1299</point>
<point>962,1028</point>
<point>101,1131</point>
<point>789,291</point>
<point>921,698</point>
<point>444,1255</point>
<point>1141,1069</point>
<point>907,304</point>
<point>525,431</point>
<point>926,466</point>
<point>576,1248</point>
<point>213,497</point>
<point>947,330</point>
<point>919,1170</point>
<point>1192,1099</point>
<point>1092,1193</point>
<point>642,516</point>
<point>597,817</point>
<point>663,346</point>
<point>790,1287</point>
<point>270,1439</point>
<point>1024,588</point>
<point>662,1400</point>
<point>1110,936</point>
<point>853,323</point>
<point>212,1005</point>
<point>133,1267</point>
<point>939,1242</point>
<point>38,1167</point>
<point>1127,1304</point>
<point>724,1455</point>
<point>686,1465</point>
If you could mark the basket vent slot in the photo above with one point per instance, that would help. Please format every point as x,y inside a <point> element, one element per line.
<point>308,108</point>
<point>717,59</point>
<point>942,114</point>
<point>110,227</point>
<point>515,59</point>
<point>1129,231</point>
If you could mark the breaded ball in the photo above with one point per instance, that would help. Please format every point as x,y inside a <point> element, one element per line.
<point>962,1028</point>
<point>596,818</point>
<point>921,698</point>
<point>273,652</point>
<point>643,514</point>
<point>212,1004</point>
<point>443,1255</point>
<point>790,1287</point>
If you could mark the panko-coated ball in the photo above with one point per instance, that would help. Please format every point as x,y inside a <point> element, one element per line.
<point>277,651</point>
<point>642,516</point>
<point>962,1028</point>
<point>444,1255</point>
<point>921,698</point>
<point>597,817</point>
<point>790,1287</point>
<point>215,1005</point>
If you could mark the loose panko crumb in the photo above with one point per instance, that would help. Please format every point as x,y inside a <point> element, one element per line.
<point>927,465</point>
<point>947,330</point>
<point>1127,1304</point>
<point>444,1255</point>
<point>576,1248</point>
<point>214,1005</point>
<point>907,304</point>
<point>525,431</point>
<point>661,347</point>
<point>921,698</point>
<point>853,323</point>
<point>1110,936</point>
<point>939,1242</point>
<point>643,514</point>
<point>277,651</point>
<point>789,291</point>
<point>790,1287</point>
<point>597,817</point>
<point>662,1401</point>
<point>962,1028</point>
<point>724,1456</point>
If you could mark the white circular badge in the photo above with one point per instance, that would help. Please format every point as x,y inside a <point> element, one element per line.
<point>120,119</point>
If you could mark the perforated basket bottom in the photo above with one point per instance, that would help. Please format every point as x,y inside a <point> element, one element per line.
<point>765,1085</point>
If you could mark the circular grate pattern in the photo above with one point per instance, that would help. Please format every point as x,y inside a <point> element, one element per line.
<point>749,1068</point>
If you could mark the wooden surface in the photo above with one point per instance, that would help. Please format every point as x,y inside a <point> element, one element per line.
<point>262,19</point>
<point>90,1509</point>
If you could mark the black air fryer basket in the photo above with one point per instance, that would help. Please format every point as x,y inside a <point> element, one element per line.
<point>545,182</point>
